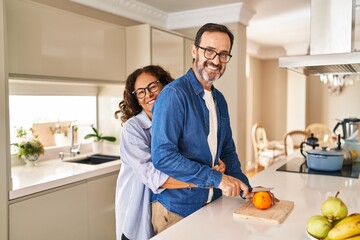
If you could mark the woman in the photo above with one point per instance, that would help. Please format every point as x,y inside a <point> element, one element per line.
<point>138,178</point>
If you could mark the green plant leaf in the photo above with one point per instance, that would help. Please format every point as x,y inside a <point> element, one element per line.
<point>109,138</point>
<point>91,135</point>
<point>95,131</point>
<point>99,137</point>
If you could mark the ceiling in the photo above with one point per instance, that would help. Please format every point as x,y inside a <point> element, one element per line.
<point>275,23</point>
<point>274,27</point>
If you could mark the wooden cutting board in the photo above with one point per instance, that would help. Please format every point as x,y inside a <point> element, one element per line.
<point>275,214</point>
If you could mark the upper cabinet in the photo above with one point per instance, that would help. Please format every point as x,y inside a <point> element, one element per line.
<point>147,45</point>
<point>43,40</point>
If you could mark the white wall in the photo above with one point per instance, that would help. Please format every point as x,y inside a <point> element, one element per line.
<point>326,108</point>
<point>296,101</point>
<point>108,102</point>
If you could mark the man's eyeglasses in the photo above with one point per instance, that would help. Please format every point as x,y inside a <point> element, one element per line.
<point>151,87</point>
<point>211,54</point>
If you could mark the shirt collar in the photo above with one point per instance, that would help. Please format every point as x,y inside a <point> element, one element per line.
<point>144,120</point>
<point>196,85</point>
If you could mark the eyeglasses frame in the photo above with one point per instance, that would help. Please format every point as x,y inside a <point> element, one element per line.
<point>216,54</point>
<point>146,88</point>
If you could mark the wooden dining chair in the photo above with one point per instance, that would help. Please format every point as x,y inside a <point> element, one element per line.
<point>321,132</point>
<point>266,152</point>
<point>293,140</point>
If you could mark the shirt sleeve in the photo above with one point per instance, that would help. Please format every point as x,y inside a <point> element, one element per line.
<point>135,151</point>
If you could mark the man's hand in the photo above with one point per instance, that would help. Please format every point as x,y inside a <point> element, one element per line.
<point>231,186</point>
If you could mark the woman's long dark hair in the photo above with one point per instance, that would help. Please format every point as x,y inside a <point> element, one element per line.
<point>129,106</point>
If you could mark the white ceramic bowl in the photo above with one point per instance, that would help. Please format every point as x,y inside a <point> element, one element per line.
<point>310,237</point>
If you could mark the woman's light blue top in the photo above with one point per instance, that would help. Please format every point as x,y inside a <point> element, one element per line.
<point>137,179</point>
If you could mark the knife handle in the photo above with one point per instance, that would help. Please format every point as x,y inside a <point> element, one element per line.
<point>242,192</point>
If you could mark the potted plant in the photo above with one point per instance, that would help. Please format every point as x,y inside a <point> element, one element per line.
<point>29,147</point>
<point>98,140</point>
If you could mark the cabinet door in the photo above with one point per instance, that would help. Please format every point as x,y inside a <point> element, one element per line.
<point>138,47</point>
<point>56,215</point>
<point>101,208</point>
<point>52,42</point>
<point>168,52</point>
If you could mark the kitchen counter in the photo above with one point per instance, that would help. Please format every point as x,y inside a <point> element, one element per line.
<point>307,191</point>
<point>49,174</point>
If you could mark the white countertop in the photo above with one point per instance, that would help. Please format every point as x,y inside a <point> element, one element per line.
<point>49,174</point>
<point>307,191</point>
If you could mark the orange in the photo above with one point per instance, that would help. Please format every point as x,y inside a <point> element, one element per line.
<point>262,200</point>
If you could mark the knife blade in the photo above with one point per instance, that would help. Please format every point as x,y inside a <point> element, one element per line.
<point>261,189</point>
<point>256,189</point>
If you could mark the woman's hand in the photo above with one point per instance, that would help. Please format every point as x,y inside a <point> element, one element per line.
<point>273,199</point>
<point>221,167</point>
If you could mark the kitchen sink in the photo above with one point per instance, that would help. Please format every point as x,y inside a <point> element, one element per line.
<point>96,159</point>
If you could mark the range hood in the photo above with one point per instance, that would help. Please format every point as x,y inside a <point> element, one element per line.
<point>331,41</point>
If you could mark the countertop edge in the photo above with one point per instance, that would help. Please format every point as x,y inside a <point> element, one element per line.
<point>36,188</point>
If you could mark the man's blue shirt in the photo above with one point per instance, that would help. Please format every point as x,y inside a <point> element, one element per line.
<point>180,147</point>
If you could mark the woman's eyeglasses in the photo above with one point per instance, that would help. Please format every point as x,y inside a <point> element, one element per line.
<point>151,87</point>
<point>211,54</point>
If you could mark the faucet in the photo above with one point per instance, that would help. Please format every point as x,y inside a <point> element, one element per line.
<point>74,150</point>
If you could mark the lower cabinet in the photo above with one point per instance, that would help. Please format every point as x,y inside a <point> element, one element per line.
<point>83,210</point>
<point>101,207</point>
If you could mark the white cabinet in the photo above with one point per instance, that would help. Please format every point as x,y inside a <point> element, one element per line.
<point>57,215</point>
<point>148,45</point>
<point>101,207</point>
<point>81,211</point>
<point>47,41</point>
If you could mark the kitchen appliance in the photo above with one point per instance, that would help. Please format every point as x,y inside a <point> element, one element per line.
<point>324,160</point>
<point>299,165</point>
<point>331,40</point>
<point>349,128</point>
<point>276,214</point>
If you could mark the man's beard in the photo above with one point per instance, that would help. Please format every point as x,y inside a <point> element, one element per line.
<point>204,75</point>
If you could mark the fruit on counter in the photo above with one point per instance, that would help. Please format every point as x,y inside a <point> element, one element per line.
<point>262,200</point>
<point>357,237</point>
<point>346,228</point>
<point>342,227</point>
<point>334,208</point>
<point>318,226</point>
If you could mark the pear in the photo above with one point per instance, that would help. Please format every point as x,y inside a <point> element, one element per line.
<point>318,226</point>
<point>334,208</point>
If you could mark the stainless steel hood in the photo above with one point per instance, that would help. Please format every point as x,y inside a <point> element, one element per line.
<point>331,41</point>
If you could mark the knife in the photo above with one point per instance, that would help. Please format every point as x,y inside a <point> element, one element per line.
<point>261,189</point>
<point>256,189</point>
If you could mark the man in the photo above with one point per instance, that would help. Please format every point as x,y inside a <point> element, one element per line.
<point>191,131</point>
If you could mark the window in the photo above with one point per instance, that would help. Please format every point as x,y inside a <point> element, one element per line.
<point>25,111</point>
